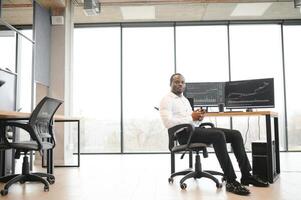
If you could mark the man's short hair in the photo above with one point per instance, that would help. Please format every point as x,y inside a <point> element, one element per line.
<point>171,78</point>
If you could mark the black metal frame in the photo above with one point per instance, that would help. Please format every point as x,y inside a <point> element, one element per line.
<point>49,155</point>
<point>270,154</point>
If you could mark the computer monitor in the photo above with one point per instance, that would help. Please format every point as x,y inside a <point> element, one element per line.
<point>255,93</point>
<point>205,93</point>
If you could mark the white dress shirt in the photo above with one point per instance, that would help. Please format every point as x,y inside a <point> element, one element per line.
<point>175,110</point>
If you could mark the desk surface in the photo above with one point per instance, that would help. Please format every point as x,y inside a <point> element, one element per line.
<point>18,115</point>
<point>239,113</point>
<point>22,115</point>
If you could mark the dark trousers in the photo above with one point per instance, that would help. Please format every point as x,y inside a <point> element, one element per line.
<point>218,137</point>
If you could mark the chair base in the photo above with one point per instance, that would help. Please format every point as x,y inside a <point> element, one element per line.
<point>196,173</point>
<point>26,177</point>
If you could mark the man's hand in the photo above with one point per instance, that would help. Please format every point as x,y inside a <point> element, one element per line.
<point>198,115</point>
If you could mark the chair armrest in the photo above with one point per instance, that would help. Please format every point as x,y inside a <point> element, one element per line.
<point>25,126</point>
<point>173,131</point>
<point>203,125</point>
<point>178,128</point>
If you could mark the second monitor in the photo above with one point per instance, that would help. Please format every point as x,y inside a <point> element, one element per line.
<point>253,93</point>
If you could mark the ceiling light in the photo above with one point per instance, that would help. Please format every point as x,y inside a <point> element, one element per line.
<point>138,12</point>
<point>250,9</point>
<point>91,7</point>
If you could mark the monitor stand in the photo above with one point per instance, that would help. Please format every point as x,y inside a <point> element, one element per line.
<point>249,110</point>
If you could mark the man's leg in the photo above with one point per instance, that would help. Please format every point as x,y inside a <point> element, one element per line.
<point>235,139</point>
<point>217,139</point>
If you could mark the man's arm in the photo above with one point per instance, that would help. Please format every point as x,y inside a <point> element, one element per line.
<point>167,116</point>
<point>166,112</point>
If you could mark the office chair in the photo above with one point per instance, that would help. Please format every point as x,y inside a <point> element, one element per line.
<point>40,128</point>
<point>174,147</point>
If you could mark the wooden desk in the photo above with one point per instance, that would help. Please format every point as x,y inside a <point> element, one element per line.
<point>269,116</point>
<point>5,115</point>
<point>12,115</point>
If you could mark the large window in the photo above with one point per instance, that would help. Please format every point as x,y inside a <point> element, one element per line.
<point>148,62</point>
<point>96,87</point>
<point>256,52</point>
<point>8,50</point>
<point>292,45</point>
<point>202,56</point>
<point>202,53</point>
<point>121,73</point>
<point>25,48</point>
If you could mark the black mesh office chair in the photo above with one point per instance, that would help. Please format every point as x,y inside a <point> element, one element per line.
<point>175,147</point>
<point>40,128</point>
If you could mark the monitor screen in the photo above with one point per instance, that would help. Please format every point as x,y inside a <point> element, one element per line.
<point>205,93</point>
<point>255,93</point>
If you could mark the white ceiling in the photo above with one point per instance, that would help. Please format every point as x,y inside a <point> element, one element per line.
<point>192,12</point>
<point>160,10</point>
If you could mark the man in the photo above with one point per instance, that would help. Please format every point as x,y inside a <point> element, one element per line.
<point>175,109</point>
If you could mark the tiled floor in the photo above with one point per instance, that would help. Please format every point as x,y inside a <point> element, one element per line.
<point>144,177</point>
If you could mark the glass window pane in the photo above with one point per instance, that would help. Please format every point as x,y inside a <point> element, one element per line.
<point>292,44</point>
<point>148,62</point>
<point>8,50</point>
<point>25,71</point>
<point>256,52</point>
<point>202,53</point>
<point>96,87</point>
<point>202,56</point>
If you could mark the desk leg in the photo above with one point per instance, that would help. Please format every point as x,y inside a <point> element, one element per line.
<point>2,155</point>
<point>78,142</point>
<point>276,129</point>
<point>269,149</point>
<point>49,154</point>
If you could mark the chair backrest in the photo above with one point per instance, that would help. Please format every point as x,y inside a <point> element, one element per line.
<point>45,110</point>
<point>41,118</point>
<point>175,130</point>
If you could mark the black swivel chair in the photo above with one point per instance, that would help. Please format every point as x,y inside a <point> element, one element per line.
<point>174,147</point>
<point>40,128</point>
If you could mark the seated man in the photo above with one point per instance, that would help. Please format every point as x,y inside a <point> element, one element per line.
<point>175,109</point>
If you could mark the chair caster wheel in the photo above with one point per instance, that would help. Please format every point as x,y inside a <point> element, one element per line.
<point>46,189</point>
<point>219,185</point>
<point>51,180</point>
<point>183,186</point>
<point>170,180</point>
<point>4,192</point>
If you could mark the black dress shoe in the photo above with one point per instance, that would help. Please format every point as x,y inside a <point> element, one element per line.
<point>236,188</point>
<point>254,180</point>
